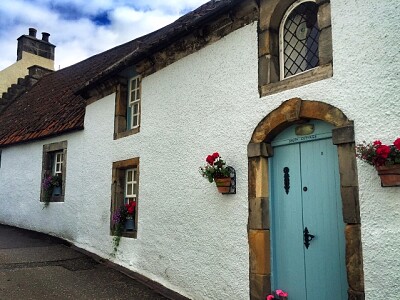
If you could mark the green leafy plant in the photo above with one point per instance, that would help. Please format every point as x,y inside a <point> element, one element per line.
<point>49,183</point>
<point>378,154</point>
<point>215,168</point>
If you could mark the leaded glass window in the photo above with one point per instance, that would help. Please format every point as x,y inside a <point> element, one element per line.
<point>299,40</point>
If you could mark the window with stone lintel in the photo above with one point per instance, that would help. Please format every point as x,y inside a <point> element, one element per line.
<point>295,44</point>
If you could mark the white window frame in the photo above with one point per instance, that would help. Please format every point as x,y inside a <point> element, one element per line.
<point>281,40</point>
<point>58,162</point>
<point>134,100</point>
<point>133,182</point>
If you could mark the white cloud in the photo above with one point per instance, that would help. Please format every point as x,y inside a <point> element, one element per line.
<point>78,37</point>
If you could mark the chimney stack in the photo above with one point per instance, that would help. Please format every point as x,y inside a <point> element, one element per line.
<point>31,44</point>
<point>32,32</point>
<point>45,36</point>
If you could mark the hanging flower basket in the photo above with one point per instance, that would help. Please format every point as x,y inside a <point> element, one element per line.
<point>223,175</point>
<point>223,184</point>
<point>385,159</point>
<point>390,175</point>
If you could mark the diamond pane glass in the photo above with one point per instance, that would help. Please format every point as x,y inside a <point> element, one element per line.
<point>300,39</point>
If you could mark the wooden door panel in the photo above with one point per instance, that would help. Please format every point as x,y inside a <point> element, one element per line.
<point>288,266</point>
<point>322,211</point>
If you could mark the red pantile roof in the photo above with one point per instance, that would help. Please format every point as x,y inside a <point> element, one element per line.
<point>54,106</point>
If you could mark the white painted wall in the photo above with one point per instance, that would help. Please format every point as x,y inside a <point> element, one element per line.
<point>190,238</point>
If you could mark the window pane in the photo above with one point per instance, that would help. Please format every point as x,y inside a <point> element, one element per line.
<point>129,175</point>
<point>137,94</point>
<point>135,108</point>
<point>129,189</point>
<point>135,121</point>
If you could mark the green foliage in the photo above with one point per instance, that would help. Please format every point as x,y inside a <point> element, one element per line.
<point>215,168</point>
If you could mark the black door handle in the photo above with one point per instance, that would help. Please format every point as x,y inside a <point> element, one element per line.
<point>307,237</point>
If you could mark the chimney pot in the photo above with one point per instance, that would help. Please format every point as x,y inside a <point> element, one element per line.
<point>32,32</point>
<point>45,36</point>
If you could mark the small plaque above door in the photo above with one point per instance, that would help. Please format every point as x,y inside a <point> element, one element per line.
<point>304,129</point>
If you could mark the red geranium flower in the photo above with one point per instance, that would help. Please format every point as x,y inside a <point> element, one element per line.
<point>210,159</point>
<point>377,143</point>
<point>215,155</point>
<point>383,151</point>
<point>130,207</point>
<point>397,143</point>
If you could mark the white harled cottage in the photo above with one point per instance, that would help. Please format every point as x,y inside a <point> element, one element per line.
<point>283,90</point>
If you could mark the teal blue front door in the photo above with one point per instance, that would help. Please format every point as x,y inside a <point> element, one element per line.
<point>307,229</point>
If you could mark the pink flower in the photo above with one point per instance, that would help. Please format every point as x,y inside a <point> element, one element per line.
<point>397,143</point>
<point>281,293</point>
<point>270,297</point>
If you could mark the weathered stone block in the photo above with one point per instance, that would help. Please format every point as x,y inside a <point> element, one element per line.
<point>343,135</point>
<point>353,295</point>
<point>347,165</point>
<point>260,254</point>
<point>259,213</point>
<point>351,205</point>
<point>264,43</point>
<point>325,46</point>
<point>266,9</point>
<point>259,149</point>
<point>354,261</point>
<point>324,16</point>
<point>258,177</point>
<point>260,286</point>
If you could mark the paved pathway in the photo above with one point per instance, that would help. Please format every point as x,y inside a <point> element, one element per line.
<point>37,266</point>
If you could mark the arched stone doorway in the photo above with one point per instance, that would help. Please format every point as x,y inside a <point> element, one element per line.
<point>291,112</point>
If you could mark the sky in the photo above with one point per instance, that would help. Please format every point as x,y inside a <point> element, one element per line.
<point>82,28</point>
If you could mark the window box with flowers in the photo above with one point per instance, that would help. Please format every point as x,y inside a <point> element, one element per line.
<point>385,159</point>
<point>51,187</point>
<point>123,220</point>
<point>217,171</point>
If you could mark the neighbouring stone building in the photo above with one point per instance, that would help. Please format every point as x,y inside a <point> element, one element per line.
<point>283,90</point>
<point>35,57</point>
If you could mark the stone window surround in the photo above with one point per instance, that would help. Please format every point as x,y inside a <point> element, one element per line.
<point>291,112</point>
<point>48,150</point>
<point>121,106</point>
<point>118,189</point>
<point>271,14</point>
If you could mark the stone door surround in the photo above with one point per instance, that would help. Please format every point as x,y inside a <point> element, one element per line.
<point>295,111</point>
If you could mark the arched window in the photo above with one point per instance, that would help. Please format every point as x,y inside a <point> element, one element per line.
<point>294,44</point>
<point>298,39</point>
